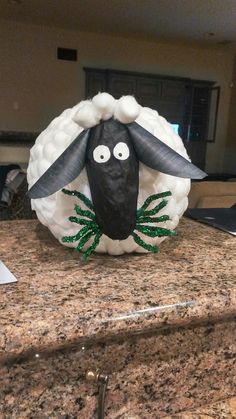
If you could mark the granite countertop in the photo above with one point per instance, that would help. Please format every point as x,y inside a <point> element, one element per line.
<point>223,409</point>
<point>59,300</point>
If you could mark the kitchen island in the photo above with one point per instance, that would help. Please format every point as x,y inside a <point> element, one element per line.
<point>160,327</point>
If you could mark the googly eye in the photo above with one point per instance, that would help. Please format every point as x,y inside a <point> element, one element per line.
<point>121,151</point>
<point>101,154</point>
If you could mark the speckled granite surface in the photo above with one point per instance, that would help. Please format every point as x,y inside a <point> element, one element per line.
<point>162,326</point>
<point>225,409</point>
<point>58,298</point>
<point>150,377</point>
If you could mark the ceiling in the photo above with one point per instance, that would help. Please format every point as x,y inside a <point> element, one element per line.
<point>208,21</point>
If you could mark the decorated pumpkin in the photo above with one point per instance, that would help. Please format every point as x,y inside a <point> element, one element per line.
<point>110,176</point>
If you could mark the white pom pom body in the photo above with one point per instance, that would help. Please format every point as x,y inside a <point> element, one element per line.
<point>105,104</point>
<point>127,109</point>
<point>54,211</point>
<point>87,116</point>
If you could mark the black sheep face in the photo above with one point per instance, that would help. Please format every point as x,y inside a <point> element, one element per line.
<point>112,168</point>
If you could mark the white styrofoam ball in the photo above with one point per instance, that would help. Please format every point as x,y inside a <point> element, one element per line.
<point>59,137</point>
<point>87,116</point>
<point>127,109</point>
<point>49,149</point>
<point>105,103</point>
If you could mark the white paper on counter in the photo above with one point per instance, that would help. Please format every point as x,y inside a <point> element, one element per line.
<point>6,277</point>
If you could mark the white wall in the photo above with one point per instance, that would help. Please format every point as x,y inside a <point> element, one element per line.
<point>35,86</point>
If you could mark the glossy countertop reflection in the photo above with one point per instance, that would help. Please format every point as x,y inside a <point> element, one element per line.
<point>60,300</point>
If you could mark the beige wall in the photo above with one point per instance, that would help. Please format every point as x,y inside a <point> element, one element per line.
<point>35,86</point>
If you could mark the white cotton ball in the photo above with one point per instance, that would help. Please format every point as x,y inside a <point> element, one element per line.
<point>126,109</point>
<point>49,149</point>
<point>105,103</point>
<point>87,116</point>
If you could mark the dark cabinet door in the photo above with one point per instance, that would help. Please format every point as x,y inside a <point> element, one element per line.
<point>121,85</point>
<point>148,92</point>
<point>172,104</point>
<point>196,152</point>
<point>197,122</point>
<point>96,81</point>
<point>185,103</point>
<point>173,91</point>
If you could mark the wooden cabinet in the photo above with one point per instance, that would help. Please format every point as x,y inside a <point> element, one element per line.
<point>200,119</point>
<point>148,91</point>
<point>182,101</point>
<point>121,84</point>
<point>95,82</point>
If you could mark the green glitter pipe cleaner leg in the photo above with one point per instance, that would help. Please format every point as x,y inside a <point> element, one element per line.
<point>144,220</point>
<point>86,218</point>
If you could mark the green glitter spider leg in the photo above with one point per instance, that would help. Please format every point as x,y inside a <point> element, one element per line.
<point>81,196</point>
<point>93,246</point>
<point>142,243</point>
<point>146,219</point>
<point>84,213</point>
<point>150,199</point>
<point>81,221</point>
<point>90,228</point>
<point>156,209</point>
<point>145,216</point>
<point>154,231</point>
<point>76,237</point>
<point>84,239</point>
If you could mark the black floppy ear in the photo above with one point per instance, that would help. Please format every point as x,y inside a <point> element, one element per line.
<point>65,169</point>
<point>157,155</point>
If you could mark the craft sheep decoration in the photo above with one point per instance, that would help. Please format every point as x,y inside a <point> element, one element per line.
<point>110,176</point>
